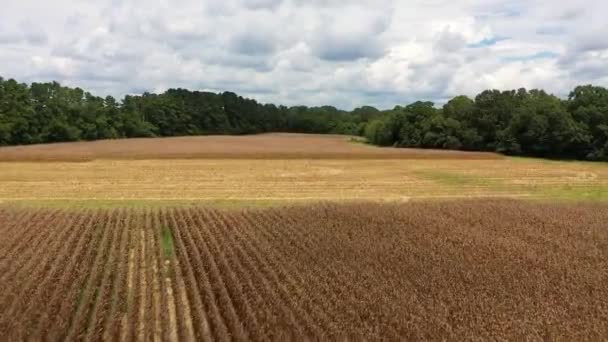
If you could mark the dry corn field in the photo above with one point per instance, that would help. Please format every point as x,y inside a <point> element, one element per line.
<point>420,271</point>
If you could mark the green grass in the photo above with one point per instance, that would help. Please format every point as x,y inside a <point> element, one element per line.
<point>167,243</point>
<point>453,179</point>
<point>576,194</point>
<point>556,161</point>
<point>557,193</point>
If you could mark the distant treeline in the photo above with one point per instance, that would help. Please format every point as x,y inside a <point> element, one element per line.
<point>517,122</point>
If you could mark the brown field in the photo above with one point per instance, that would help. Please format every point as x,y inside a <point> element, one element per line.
<point>419,271</point>
<point>262,146</point>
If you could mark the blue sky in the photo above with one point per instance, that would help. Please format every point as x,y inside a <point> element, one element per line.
<point>345,53</point>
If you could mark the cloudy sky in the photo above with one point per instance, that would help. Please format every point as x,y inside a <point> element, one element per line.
<point>340,52</point>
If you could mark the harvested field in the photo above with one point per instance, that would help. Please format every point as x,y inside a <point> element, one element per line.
<point>467,270</point>
<point>271,169</point>
<point>121,183</point>
<point>262,146</point>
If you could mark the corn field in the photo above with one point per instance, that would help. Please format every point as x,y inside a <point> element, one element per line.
<point>420,271</point>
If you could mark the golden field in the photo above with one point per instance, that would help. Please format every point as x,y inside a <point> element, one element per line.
<point>268,181</point>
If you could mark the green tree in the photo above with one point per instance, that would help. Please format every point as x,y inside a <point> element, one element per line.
<point>589,106</point>
<point>379,133</point>
<point>59,131</point>
<point>542,126</point>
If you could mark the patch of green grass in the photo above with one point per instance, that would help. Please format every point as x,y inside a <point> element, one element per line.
<point>555,161</point>
<point>575,193</point>
<point>167,243</point>
<point>453,179</point>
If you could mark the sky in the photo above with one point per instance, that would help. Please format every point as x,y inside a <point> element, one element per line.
<point>345,53</point>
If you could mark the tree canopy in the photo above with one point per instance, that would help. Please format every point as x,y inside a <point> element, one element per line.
<point>515,122</point>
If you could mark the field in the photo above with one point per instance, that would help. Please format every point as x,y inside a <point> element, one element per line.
<point>274,169</point>
<point>458,270</point>
<point>261,146</point>
<point>298,237</point>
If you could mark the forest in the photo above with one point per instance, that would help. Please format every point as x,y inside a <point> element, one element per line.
<point>514,122</point>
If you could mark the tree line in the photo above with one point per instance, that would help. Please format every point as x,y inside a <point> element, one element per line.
<point>516,122</point>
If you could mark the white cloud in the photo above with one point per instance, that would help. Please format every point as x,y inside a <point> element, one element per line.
<point>346,53</point>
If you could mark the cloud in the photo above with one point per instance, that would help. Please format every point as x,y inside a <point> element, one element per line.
<point>539,55</point>
<point>591,42</point>
<point>262,4</point>
<point>551,30</point>
<point>487,42</point>
<point>350,34</point>
<point>450,41</point>
<point>252,43</point>
<point>345,53</point>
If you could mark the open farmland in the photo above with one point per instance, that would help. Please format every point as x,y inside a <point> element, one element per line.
<point>253,171</point>
<point>261,146</point>
<point>491,269</point>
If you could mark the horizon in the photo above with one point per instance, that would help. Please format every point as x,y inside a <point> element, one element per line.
<point>343,54</point>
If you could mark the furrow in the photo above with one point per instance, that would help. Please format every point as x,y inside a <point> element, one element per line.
<point>66,297</point>
<point>35,233</point>
<point>183,247</point>
<point>332,283</point>
<point>53,288</point>
<point>144,294</point>
<point>90,293</point>
<point>183,314</point>
<point>291,235</point>
<point>217,323</point>
<point>229,265</point>
<point>167,316</point>
<point>116,303</point>
<point>34,272</point>
<point>217,287</point>
<point>231,282</point>
<point>158,293</point>
<point>291,290</point>
<point>324,305</point>
<point>12,227</point>
<point>23,231</point>
<point>273,286</point>
<point>147,313</point>
<point>94,326</point>
<point>227,302</point>
<point>129,320</point>
<point>244,269</point>
<point>315,307</point>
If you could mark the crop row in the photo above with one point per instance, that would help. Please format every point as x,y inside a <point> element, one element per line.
<point>493,269</point>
